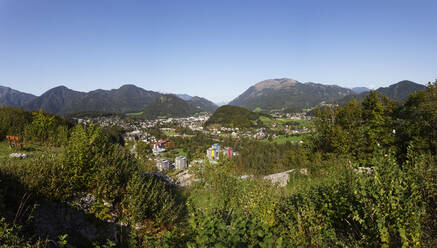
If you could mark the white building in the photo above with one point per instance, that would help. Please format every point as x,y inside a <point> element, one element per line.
<point>162,164</point>
<point>180,163</point>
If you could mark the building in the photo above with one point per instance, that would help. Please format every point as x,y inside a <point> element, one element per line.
<point>162,164</point>
<point>213,153</point>
<point>158,147</point>
<point>227,152</point>
<point>180,163</point>
<point>161,144</point>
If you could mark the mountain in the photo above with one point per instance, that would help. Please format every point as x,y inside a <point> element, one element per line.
<point>54,100</point>
<point>399,91</point>
<point>169,105</point>
<point>359,90</point>
<point>62,101</point>
<point>202,104</point>
<point>234,116</point>
<point>184,97</point>
<point>221,103</point>
<point>279,94</point>
<point>128,98</point>
<point>11,97</point>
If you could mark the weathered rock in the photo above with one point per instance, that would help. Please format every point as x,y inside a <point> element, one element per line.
<point>54,219</point>
<point>18,155</point>
<point>303,171</point>
<point>281,178</point>
<point>185,179</point>
<point>87,202</point>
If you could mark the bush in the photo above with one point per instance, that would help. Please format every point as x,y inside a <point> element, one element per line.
<point>149,197</point>
<point>393,206</point>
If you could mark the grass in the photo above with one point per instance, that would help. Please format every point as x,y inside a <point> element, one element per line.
<point>32,151</point>
<point>5,150</point>
<point>280,122</point>
<point>135,114</point>
<point>172,154</point>
<point>294,138</point>
<point>266,121</point>
<point>170,132</point>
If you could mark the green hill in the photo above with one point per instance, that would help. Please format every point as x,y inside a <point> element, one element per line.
<point>234,116</point>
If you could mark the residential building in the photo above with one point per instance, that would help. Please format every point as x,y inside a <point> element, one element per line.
<point>162,164</point>
<point>180,163</point>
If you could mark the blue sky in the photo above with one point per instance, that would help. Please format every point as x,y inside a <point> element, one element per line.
<point>214,49</point>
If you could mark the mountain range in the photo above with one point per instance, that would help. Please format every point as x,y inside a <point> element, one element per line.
<point>359,90</point>
<point>280,94</point>
<point>398,92</point>
<point>274,94</point>
<point>10,97</point>
<point>288,94</point>
<point>126,99</point>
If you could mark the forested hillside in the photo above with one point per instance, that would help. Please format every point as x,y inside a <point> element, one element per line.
<point>235,117</point>
<point>167,106</point>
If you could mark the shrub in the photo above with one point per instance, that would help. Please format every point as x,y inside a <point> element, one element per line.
<point>149,197</point>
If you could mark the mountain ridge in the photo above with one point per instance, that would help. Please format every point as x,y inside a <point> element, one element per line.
<point>277,94</point>
<point>397,92</point>
<point>127,98</point>
<point>11,97</point>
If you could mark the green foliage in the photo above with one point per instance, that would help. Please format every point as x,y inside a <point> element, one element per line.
<point>390,207</point>
<point>149,197</point>
<point>9,237</point>
<point>393,196</point>
<point>235,117</point>
<point>12,121</point>
<point>226,211</point>
<point>43,125</point>
<point>262,158</point>
<point>195,146</point>
<point>84,149</point>
<point>417,122</point>
<point>33,127</point>
<point>319,214</point>
<point>215,230</point>
<point>355,130</point>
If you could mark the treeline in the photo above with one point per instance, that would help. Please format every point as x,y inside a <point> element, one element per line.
<point>33,126</point>
<point>359,130</point>
<point>44,128</point>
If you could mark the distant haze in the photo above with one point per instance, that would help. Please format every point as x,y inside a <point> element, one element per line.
<point>214,49</point>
